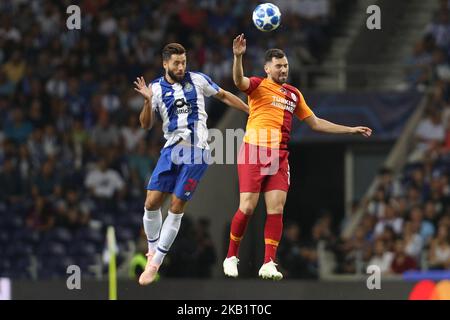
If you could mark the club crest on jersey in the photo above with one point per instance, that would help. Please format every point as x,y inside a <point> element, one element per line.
<point>294,97</point>
<point>188,87</point>
<point>168,94</point>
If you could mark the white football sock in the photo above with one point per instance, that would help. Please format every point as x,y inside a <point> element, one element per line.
<point>169,232</point>
<point>152,226</point>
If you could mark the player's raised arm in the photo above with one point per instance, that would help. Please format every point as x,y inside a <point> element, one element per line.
<point>239,46</point>
<point>231,100</point>
<point>322,125</point>
<point>146,116</point>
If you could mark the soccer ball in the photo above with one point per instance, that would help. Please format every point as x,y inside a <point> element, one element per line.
<point>266,17</point>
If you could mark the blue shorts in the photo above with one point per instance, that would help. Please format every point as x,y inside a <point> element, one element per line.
<point>179,169</point>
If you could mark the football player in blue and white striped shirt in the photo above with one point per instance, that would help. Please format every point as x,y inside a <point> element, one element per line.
<point>179,98</point>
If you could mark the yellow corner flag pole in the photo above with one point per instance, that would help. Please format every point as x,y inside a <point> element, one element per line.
<point>111,239</point>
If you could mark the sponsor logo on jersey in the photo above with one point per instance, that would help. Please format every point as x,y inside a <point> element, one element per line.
<point>182,106</point>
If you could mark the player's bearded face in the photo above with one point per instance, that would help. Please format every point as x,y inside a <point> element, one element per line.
<point>278,70</point>
<point>176,67</point>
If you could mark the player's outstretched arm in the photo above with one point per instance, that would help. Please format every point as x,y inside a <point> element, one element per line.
<point>146,116</point>
<point>231,100</point>
<point>322,125</point>
<point>239,47</point>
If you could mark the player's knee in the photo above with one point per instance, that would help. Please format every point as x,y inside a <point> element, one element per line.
<point>247,209</point>
<point>276,208</point>
<point>152,204</point>
<point>177,206</point>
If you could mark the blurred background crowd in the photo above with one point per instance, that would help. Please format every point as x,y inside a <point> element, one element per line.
<point>73,158</point>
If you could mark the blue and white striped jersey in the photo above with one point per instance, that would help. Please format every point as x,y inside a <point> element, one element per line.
<point>182,107</point>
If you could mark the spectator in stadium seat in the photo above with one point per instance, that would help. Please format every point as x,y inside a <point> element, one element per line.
<point>293,256</point>
<point>79,138</point>
<point>135,192</point>
<point>7,87</point>
<point>390,186</point>
<point>413,196</point>
<point>57,85</point>
<point>413,241</point>
<point>381,258</point>
<point>59,117</point>
<point>445,113</point>
<point>324,226</point>
<point>445,219</point>
<point>17,128</point>
<point>75,101</point>
<point>50,141</point>
<point>430,213</point>
<point>368,224</point>
<point>131,133</point>
<point>109,99</point>
<point>446,147</point>
<point>72,212</point>
<point>428,166</point>
<point>443,6</point>
<point>24,165</point>
<point>47,183</point>
<point>41,216</point>
<point>192,17</point>
<point>439,184</point>
<point>104,134</point>
<point>142,161</point>
<point>402,262</point>
<point>419,65</point>
<point>377,205</point>
<point>314,11</point>
<point>418,181</point>
<point>11,188</point>
<point>218,66</point>
<point>103,182</point>
<point>429,135</point>
<point>440,29</point>
<point>440,68</point>
<point>35,115</point>
<point>220,20</point>
<point>315,14</point>
<point>425,228</point>
<point>390,219</point>
<point>308,249</point>
<point>349,251</point>
<point>389,237</point>
<point>439,254</point>
<point>401,206</point>
<point>8,31</point>
<point>15,67</point>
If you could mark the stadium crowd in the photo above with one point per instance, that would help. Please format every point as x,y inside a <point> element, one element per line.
<point>406,225</point>
<point>73,157</point>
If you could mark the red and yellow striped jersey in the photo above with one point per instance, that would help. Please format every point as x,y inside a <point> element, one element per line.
<point>272,107</point>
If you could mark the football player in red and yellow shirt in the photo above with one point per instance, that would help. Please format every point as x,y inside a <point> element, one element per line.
<point>263,159</point>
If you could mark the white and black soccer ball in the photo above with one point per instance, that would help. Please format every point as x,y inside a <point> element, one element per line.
<point>266,17</point>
